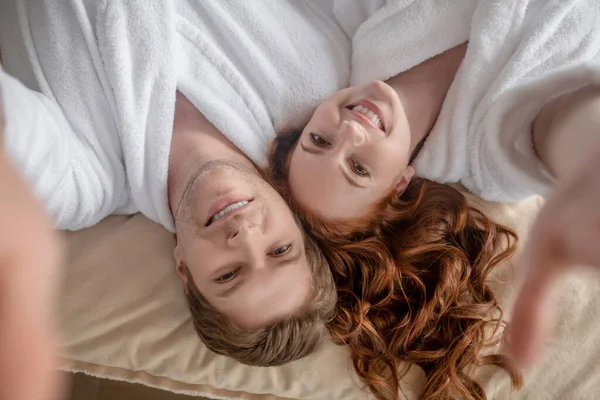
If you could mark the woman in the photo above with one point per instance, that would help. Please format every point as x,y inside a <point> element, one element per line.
<point>411,267</point>
<point>491,115</point>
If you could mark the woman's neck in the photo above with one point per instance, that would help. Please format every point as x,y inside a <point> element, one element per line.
<point>423,88</point>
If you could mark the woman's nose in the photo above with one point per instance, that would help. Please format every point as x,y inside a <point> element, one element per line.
<point>353,133</point>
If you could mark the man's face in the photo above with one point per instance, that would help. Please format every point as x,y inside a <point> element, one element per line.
<point>242,246</point>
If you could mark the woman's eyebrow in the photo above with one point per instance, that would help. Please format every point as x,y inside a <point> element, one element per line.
<point>311,151</point>
<point>348,177</point>
<point>350,180</point>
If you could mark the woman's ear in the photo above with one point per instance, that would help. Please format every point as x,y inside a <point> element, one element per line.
<point>404,180</point>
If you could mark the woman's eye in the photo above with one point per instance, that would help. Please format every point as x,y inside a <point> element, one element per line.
<point>318,140</point>
<point>281,250</point>
<point>227,277</point>
<point>359,169</point>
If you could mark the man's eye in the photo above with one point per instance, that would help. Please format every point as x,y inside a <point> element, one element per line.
<point>227,277</point>
<point>359,169</point>
<point>280,251</point>
<point>318,140</point>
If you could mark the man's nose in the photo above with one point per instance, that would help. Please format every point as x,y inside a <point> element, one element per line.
<point>247,241</point>
<point>243,233</point>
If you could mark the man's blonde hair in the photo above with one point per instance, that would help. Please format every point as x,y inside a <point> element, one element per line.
<point>281,342</point>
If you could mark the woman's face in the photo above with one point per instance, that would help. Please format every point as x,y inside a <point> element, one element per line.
<point>354,150</point>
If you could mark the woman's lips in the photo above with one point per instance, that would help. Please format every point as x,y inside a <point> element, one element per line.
<point>370,107</point>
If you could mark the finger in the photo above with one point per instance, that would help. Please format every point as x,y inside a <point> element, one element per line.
<point>533,314</point>
<point>531,326</point>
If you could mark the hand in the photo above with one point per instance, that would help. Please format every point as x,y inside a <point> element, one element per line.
<point>565,235</point>
<point>29,260</point>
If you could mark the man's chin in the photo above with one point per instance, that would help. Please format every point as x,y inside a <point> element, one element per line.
<point>222,176</point>
<point>226,167</point>
<point>216,179</point>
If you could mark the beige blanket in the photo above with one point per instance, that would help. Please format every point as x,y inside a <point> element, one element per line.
<point>123,316</point>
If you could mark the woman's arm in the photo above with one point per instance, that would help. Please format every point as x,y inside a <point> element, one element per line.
<point>566,130</point>
<point>566,233</point>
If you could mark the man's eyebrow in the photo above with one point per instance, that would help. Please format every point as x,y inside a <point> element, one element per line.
<point>311,151</point>
<point>292,259</point>
<point>229,267</point>
<point>230,290</point>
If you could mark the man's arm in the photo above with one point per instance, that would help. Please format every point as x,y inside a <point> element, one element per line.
<point>29,256</point>
<point>78,178</point>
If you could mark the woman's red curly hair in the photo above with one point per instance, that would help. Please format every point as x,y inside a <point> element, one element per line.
<point>411,279</point>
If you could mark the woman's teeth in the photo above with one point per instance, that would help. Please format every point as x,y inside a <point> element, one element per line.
<point>369,114</point>
<point>227,210</point>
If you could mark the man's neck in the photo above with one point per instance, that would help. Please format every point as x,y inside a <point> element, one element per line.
<point>422,90</point>
<point>195,142</point>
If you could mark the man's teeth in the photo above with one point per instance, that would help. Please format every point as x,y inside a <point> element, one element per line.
<point>370,114</point>
<point>228,209</point>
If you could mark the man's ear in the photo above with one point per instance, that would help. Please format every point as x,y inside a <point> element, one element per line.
<point>178,254</point>
<point>404,180</point>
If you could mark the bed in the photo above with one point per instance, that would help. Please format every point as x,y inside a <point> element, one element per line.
<point>123,316</point>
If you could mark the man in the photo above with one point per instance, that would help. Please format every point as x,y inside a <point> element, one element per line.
<point>240,253</point>
<point>258,288</point>
<point>247,266</point>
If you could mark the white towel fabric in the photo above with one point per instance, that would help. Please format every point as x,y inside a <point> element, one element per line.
<point>254,68</point>
<point>96,139</point>
<point>521,54</point>
<point>93,141</point>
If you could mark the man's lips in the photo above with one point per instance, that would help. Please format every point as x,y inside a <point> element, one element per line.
<point>227,207</point>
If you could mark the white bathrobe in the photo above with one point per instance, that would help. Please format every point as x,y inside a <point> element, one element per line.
<point>93,136</point>
<point>521,55</point>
